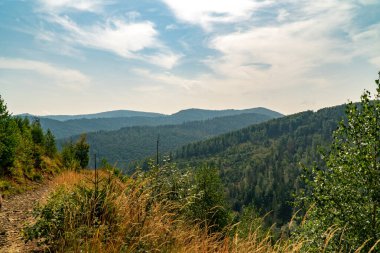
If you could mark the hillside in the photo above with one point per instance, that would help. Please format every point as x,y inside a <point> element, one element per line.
<point>74,125</point>
<point>261,164</point>
<point>135,143</point>
<point>201,114</point>
<point>109,114</point>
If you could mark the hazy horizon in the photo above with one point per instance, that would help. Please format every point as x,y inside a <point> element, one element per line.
<point>138,111</point>
<point>80,56</point>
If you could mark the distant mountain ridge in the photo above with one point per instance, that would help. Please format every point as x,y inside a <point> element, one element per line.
<point>262,164</point>
<point>134,143</point>
<point>105,122</point>
<point>203,114</point>
<point>107,114</point>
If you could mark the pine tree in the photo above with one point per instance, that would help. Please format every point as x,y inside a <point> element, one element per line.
<point>8,139</point>
<point>82,149</point>
<point>50,146</point>
<point>209,205</point>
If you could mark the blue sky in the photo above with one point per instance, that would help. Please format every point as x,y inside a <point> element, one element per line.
<point>83,56</point>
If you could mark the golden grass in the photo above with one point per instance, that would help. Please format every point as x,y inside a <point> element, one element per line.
<point>133,221</point>
<point>144,225</point>
<point>68,179</point>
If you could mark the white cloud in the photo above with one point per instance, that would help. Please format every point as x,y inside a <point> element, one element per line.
<point>78,5</point>
<point>125,39</point>
<point>123,36</point>
<point>287,64</point>
<point>64,77</point>
<point>115,36</point>
<point>133,15</point>
<point>171,27</point>
<point>165,59</point>
<point>211,12</point>
<point>168,79</point>
<point>290,49</point>
<point>267,55</point>
<point>282,15</point>
<point>368,2</point>
<point>367,43</point>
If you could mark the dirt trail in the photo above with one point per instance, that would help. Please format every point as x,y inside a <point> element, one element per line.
<point>15,213</point>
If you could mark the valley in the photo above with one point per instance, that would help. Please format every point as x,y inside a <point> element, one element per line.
<point>248,167</point>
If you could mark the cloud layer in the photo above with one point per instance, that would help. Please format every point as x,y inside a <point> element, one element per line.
<point>171,54</point>
<point>213,12</point>
<point>122,36</point>
<point>67,78</point>
<point>78,5</point>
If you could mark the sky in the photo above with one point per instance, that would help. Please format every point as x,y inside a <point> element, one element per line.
<point>85,56</point>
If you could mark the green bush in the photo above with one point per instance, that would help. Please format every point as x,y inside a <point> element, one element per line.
<point>344,197</point>
<point>200,192</point>
<point>70,217</point>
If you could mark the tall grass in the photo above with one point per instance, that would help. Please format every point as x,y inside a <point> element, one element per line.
<point>127,216</point>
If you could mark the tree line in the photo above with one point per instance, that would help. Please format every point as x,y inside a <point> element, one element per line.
<point>27,152</point>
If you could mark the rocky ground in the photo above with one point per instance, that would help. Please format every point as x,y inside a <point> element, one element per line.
<point>14,214</point>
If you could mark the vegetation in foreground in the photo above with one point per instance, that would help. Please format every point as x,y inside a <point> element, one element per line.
<point>146,214</point>
<point>172,210</point>
<point>345,196</point>
<point>28,154</point>
<point>260,165</point>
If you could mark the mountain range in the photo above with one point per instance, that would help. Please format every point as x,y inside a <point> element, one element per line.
<point>131,144</point>
<point>262,164</point>
<point>258,152</point>
<point>108,114</point>
<point>64,126</point>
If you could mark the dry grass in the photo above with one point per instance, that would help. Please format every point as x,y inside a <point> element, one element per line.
<point>68,179</point>
<point>132,220</point>
<point>143,224</point>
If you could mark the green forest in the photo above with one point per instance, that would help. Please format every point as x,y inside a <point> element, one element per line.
<point>25,149</point>
<point>262,164</point>
<point>308,182</point>
<point>29,154</point>
<point>65,126</point>
<point>132,144</point>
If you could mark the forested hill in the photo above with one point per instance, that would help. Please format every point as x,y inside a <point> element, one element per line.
<point>201,114</point>
<point>115,120</point>
<point>135,143</point>
<point>109,114</point>
<point>261,164</point>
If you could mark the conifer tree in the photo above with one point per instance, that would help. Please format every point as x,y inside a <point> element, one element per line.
<point>82,149</point>
<point>50,146</point>
<point>8,138</point>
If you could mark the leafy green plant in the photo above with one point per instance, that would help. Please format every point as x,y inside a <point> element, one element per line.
<point>345,197</point>
<point>76,155</point>
<point>199,191</point>
<point>208,205</point>
<point>74,216</point>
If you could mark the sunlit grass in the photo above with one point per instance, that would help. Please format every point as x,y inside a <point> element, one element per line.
<point>130,219</point>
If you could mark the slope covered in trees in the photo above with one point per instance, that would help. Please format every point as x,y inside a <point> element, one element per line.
<point>109,114</point>
<point>135,143</point>
<point>345,194</point>
<point>74,125</point>
<point>26,151</point>
<point>261,164</point>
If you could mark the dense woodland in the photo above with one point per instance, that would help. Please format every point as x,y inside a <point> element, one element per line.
<point>28,153</point>
<point>25,149</point>
<point>323,164</point>
<point>135,143</point>
<point>66,126</point>
<point>261,164</point>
